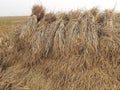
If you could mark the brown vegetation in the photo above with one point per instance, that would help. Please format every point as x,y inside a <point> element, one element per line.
<point>74,51</point>
<point>39,11</point>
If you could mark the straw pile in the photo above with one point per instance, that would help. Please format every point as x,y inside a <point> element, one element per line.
<point>79,50</point>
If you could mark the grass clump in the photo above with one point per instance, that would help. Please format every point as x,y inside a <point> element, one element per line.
<point>39,11</point>
<point>65,51</point>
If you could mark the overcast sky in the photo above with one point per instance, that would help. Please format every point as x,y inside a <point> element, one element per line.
<point>23,7</point>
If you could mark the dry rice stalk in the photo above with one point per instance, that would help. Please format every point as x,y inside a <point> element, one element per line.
<point>66,51</point>
<point>39,11</point>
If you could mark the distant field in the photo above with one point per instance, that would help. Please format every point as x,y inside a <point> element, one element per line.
<point>9,23</point>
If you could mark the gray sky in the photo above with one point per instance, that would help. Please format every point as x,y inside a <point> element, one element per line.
<point>23,7</point>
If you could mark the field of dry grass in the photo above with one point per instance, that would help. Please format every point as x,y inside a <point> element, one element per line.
<point>62,51</point>
<point>8,24</point>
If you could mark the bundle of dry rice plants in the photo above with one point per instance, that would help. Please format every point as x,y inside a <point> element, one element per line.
<point>39,11</point>
<point>67,51</point>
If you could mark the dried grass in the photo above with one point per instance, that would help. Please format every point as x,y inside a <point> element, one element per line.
<point>68,51</point>
<point>39,11</point>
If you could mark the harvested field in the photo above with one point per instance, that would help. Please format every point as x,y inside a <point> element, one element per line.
<point>79,50</point>
<point>9,23</point>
